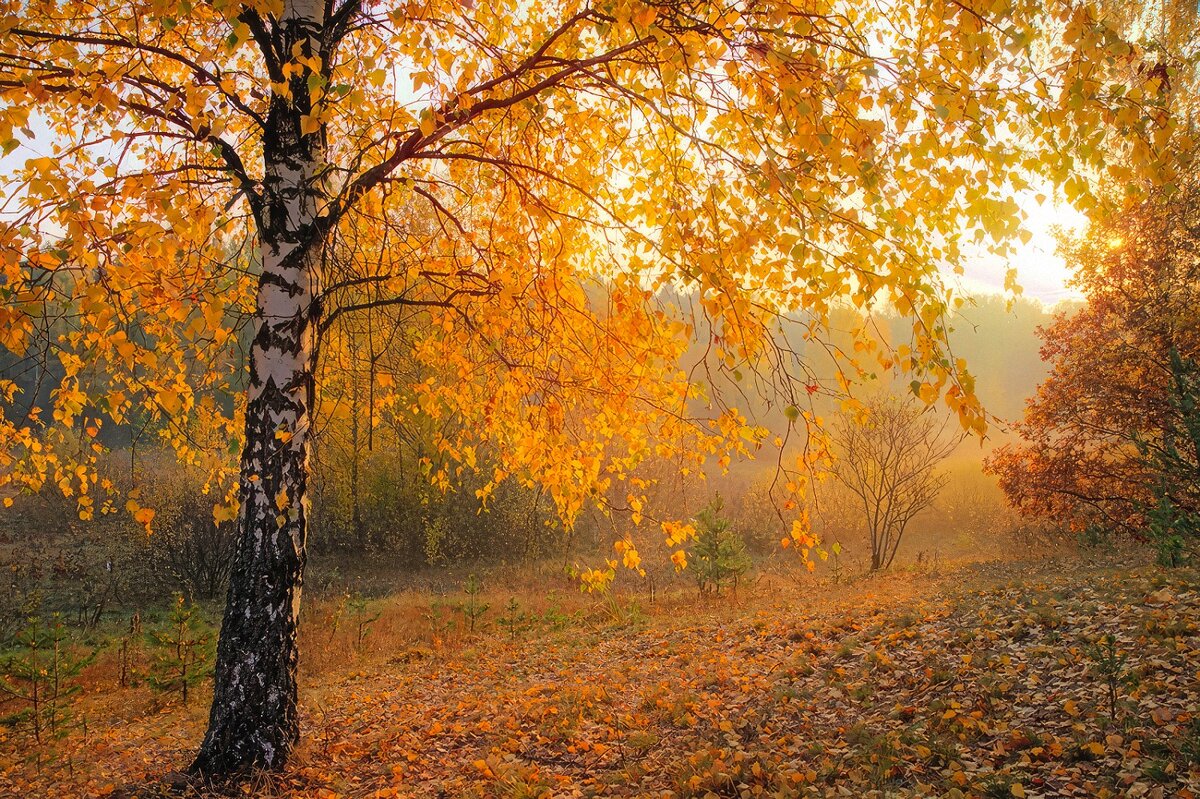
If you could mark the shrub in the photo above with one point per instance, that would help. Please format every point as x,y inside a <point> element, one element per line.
<point>1173,520</point>
<point>189,551</point>
<point>20,597</point>
<point>1170,530</point>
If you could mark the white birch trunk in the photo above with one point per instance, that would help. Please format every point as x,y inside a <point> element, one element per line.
<point>253,722</point>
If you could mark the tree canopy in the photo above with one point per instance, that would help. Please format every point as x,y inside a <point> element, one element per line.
<point>776,159</point>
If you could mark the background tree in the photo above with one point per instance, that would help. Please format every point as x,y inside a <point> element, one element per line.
<point>568,160</point>
<point>1113,418</point>
<point>886,453</point>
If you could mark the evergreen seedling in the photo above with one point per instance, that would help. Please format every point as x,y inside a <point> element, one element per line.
<point>181,651</point>
<point>38,680</point>
<point>473,608</point>
<point>510,619</point>
<point>363,620</point>
<point>719,557</point>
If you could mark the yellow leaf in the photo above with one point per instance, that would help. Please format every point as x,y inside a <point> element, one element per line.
<point>169,400</point>
<point>645,16</point>
<point>679,558</point>
<point>224,513</point>
<point>144,516</point>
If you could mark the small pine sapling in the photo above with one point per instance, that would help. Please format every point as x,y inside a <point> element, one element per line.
<point>1108,665</point>
<point>472,609</point>
<point>719,557</point>
<point>181,651</point>
<point>510,619</point>
<point>38,679</point>
<point>439,625</point>
<point>363,619</point>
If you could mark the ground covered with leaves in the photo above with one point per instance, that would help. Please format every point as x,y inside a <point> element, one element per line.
<point>1014,680</point>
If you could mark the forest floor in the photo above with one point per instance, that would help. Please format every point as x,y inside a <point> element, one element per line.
<point>1036,679</point>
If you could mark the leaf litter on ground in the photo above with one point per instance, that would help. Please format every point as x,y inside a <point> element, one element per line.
<point>988,681</point>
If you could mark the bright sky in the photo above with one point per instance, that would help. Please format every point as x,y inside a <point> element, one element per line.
<point>1040,271</point>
